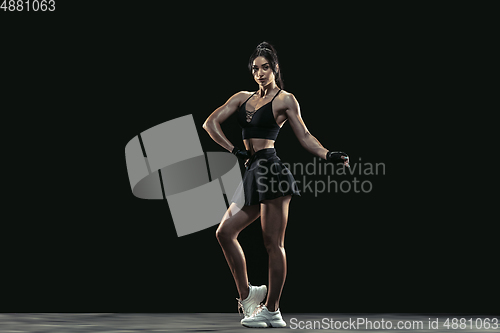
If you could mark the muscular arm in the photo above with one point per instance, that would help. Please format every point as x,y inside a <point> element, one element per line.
<point>306,139</point>
<point>212,124</point>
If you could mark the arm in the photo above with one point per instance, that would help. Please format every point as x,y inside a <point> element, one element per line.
<point>212,124</point>
<point>306,139</point>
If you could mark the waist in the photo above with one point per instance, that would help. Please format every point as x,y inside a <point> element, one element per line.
<point>265,152</point>
<point>255,144</point>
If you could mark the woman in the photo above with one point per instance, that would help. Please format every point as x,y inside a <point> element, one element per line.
<point>267,184</point>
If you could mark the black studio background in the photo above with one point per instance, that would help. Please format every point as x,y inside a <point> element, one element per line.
<point>85,243</point>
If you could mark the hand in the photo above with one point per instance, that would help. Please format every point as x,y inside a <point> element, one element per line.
<point>243,154</point>
<point>338,156</point>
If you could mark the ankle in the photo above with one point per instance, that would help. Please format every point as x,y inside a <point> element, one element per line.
<point>271,308</point>
<point>244,293</point>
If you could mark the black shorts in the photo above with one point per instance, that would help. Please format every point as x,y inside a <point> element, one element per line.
<point>265,178</point>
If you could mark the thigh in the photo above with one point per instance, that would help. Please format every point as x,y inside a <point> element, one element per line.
<point>235,219</point>
<point>274,217</point>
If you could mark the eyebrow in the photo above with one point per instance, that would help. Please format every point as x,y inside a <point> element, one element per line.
<point>254,66</point>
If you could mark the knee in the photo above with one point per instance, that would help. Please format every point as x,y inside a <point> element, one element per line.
<point>273,245</point>
<point>223,234</point>
<point>219,233</point>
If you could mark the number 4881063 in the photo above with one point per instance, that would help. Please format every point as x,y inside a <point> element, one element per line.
<point>28,5</point>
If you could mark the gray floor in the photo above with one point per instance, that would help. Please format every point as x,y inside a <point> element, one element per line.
<point>227,322</point>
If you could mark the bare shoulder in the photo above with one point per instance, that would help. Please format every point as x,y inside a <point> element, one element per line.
<point>240,97</point>
<point>288,99</point>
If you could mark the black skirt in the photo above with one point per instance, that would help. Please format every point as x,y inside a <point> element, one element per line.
<point>265,178</point>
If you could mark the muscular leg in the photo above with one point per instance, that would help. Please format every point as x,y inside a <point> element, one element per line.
<point>232,224</point>
<point>274,218</point>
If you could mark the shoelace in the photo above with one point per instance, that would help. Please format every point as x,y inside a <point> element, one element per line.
<point>240,306</point>
<point>257,310</point>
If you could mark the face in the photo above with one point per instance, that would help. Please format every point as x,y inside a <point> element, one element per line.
<point>262,72</point>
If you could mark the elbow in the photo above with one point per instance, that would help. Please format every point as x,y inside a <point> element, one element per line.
<point>206,125</point>
<point>210,125</point>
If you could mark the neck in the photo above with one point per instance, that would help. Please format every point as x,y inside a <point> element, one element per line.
<point>265,90</point>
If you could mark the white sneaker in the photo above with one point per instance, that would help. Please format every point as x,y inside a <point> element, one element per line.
<point>264,318</point>
<point>255,296</point>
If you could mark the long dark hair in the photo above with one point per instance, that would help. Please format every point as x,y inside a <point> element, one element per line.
<point>267,51</point>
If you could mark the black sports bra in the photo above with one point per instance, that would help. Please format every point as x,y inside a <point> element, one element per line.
<point>259,123</point>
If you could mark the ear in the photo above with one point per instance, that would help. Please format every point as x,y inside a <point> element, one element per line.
<point>277,69</point>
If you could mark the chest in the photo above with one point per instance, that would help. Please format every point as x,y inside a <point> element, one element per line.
<point>254,111</point>
<point>255,103</point>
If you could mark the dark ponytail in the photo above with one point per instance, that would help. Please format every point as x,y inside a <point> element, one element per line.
<point>267,51</point>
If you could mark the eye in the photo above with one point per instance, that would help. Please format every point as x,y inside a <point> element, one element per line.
<point>265,68</point>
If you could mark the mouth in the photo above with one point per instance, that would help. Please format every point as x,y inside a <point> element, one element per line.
<point>262,80</point>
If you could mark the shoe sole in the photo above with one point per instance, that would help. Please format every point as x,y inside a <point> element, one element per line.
<point>267,325</point>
